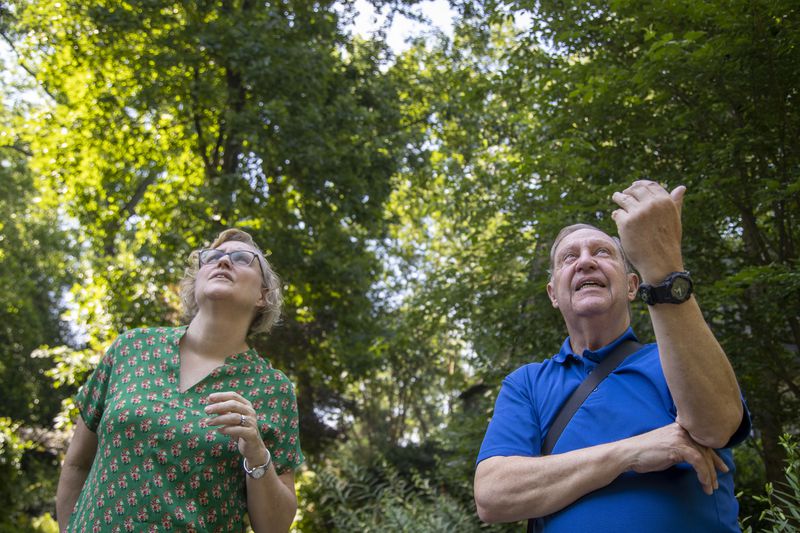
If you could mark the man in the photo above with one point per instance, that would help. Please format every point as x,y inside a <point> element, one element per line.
<point>648,448</point>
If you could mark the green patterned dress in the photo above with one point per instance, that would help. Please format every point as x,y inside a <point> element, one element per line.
<point>158,467</point>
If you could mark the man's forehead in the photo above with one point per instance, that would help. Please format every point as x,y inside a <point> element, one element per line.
<point>585,236</point>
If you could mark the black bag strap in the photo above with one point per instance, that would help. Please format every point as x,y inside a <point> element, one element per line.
<point>576,399</point>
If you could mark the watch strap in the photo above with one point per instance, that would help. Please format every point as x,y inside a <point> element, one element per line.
<point>664,291</point>
<point>267,462</point>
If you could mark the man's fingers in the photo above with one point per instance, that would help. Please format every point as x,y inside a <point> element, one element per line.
<point>712,471</point>
<point>677,195</point>
<point>644,189</point>
<point>697,459</point>
<point>624,200</point>
<point>719,463</point>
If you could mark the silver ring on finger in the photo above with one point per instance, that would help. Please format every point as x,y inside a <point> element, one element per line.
<point>242,420</point>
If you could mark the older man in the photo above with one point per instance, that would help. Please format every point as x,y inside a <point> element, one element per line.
<point>648,449</point>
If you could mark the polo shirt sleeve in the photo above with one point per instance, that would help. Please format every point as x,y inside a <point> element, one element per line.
<point>280,424</point>
<point>91,397</point>
<point>515,427</point>
<point>743,431</point>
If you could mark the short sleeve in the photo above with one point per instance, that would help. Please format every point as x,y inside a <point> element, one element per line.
<point>91,397</point>
<point>514,428</point>
<point>280,424</point>
<point>743,431</point>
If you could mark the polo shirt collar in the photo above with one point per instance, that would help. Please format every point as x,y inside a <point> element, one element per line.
<point>595,356</point>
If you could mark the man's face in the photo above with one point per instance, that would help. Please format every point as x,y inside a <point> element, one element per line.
<point>589,276</point>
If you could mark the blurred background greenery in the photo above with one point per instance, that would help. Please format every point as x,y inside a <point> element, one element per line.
<point>408,199</point>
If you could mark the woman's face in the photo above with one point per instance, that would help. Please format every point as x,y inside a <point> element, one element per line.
<point>222,279</point>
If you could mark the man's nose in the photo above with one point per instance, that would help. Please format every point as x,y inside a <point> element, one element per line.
<point>586,261</point>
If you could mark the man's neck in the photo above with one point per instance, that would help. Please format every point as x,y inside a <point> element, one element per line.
<point>594,333</point>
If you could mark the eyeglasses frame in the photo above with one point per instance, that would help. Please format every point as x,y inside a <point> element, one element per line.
<point>256,255</point>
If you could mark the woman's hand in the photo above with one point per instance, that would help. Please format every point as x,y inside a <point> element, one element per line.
<point>236,418</point>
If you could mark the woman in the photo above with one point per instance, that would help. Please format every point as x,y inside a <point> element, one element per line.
<point>188,428</point>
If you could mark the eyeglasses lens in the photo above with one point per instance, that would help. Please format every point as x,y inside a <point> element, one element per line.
<point>238,257</point>
<point>242,258</point>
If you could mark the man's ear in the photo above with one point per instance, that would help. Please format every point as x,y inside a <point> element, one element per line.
<point>551,293</point>
<point>633,286</point>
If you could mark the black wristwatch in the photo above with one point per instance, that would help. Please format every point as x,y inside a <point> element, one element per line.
<point>675,289</point>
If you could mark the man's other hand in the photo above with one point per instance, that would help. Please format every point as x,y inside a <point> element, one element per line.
<point>667,446</point>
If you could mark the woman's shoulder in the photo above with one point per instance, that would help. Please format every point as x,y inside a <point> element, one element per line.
<point>271,379</point>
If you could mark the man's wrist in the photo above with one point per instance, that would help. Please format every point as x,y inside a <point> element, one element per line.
<point>657,274</point>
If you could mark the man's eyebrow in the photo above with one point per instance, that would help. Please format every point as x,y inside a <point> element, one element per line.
<point>565,248</point>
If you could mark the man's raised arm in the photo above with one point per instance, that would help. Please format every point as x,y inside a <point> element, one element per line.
<point>698,373</point>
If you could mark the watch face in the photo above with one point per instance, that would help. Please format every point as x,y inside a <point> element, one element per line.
<point>680,288</point>
<point>258,472</point>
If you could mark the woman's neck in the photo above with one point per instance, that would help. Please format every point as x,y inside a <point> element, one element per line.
<point>215,336</point>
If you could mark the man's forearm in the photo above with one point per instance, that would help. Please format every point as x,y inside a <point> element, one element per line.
<point>699,376</point>
<point>508,489</point>
<point>514,488</point>
<point>698,373</point>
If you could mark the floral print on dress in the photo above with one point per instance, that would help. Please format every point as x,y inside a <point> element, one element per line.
<point>158,466</point>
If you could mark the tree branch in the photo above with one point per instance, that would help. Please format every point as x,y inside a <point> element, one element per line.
<point>21,63</point>
<point>198,126</point>
<point>18,148</point>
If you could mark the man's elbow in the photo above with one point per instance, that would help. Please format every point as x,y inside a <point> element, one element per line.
<point>718,435</point>
<point>486,506</point>
<point>492,505</point>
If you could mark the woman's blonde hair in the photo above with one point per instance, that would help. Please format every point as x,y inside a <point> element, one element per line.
<point>266,316</point>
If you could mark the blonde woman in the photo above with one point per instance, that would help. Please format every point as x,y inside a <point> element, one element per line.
<point>188,428</point>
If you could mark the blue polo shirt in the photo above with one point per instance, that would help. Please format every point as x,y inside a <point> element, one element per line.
<point>632,400</point>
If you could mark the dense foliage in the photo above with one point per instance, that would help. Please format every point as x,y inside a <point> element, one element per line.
<point>407,201</point>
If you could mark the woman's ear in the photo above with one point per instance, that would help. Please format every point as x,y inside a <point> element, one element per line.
<point>262,300</point>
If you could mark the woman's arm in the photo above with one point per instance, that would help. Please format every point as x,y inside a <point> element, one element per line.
<point>271,501</point>
<point>77,463</point>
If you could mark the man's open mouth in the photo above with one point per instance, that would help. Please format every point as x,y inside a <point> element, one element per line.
<point>589,283</point>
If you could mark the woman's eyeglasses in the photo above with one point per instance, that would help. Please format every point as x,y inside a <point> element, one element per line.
<point>237,257</point>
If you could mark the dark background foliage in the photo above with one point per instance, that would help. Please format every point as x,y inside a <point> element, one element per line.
<point>408,201</point>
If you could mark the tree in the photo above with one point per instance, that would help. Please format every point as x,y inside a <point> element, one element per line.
<point>34,273</point>
<point>171,122</point>
<point>536,128</point>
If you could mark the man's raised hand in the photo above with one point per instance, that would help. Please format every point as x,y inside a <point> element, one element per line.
<point>649,226</point>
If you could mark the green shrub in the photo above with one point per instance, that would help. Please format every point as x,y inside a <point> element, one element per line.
<point>782,513</point>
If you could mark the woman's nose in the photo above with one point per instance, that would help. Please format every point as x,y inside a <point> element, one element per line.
<point>226,259</point>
